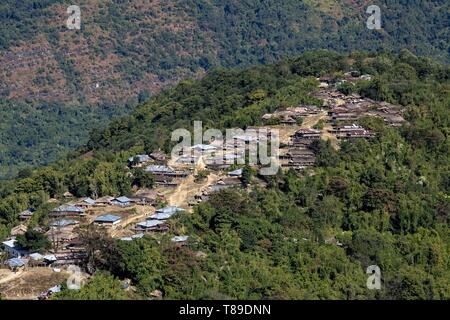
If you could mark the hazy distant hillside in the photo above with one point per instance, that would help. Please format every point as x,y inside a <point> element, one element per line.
<point>127,51</point>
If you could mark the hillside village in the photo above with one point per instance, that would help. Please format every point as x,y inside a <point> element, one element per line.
<point>182,182</point>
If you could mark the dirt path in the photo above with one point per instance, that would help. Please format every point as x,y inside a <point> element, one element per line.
<point>311,121</point>
<point>285,132</point>
<point>189,188</point>
<point>142,212</point>
<point>7,275</point>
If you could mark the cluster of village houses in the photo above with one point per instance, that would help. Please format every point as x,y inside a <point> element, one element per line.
<point>66,246</point>
<point>343,112</point>
<point>350,108</point>
<point>113,213</point>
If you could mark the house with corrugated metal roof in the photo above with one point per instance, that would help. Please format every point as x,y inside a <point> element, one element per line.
<point>86,202</point>
<point>204,147</point>
<point>27,214</point>
<point>169,210</point>
<point>107,220</point>
<point>159,169</point>
<point>139,159</point>
<point>133,237</point>
<point>152,225</point>
<point>180,240</point>
<point>12,248</point>
<point>67,210</point>
<point>64,223</point>
<point>104,201</point>
<point>16,263</point>
<point>121,201</point>
<point>165,213</point>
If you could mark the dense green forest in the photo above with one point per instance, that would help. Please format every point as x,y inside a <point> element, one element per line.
<point>237,28</point>
<point>385,201</point>
<point>33,135</point>
<point>133,49</point>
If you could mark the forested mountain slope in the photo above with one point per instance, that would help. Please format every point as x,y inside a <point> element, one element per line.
<point>129,50</point>
<point>308,235</point>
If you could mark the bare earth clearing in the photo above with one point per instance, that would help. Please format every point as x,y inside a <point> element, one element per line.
<point>28,284</point>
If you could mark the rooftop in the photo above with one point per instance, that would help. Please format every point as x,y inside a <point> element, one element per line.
<point>107,218</point>
<point>180,238</point>
<point>161,216</point>
<point>55,289</point>
<point>204,147</point>
<point>89,201</point>
<point>135,236</point>
<point>16,262</point>
<point>169,210</point>
<point>156,168</point>
<point>247,138</point>
<point>10,243</point>
<point>140,158</point>
<point>28,212</point>
<point>69,208</point>
<point>150,223</point>
<point>122,199</point>
<point>307,131</point>
<point>36,256</point>
<point>353,126</point>
<point>63,223</point>
<point>230,156</point>
<point>50,257</point>
<point>235,173</point>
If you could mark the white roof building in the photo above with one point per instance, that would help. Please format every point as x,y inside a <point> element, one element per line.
<point>180,239</point>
